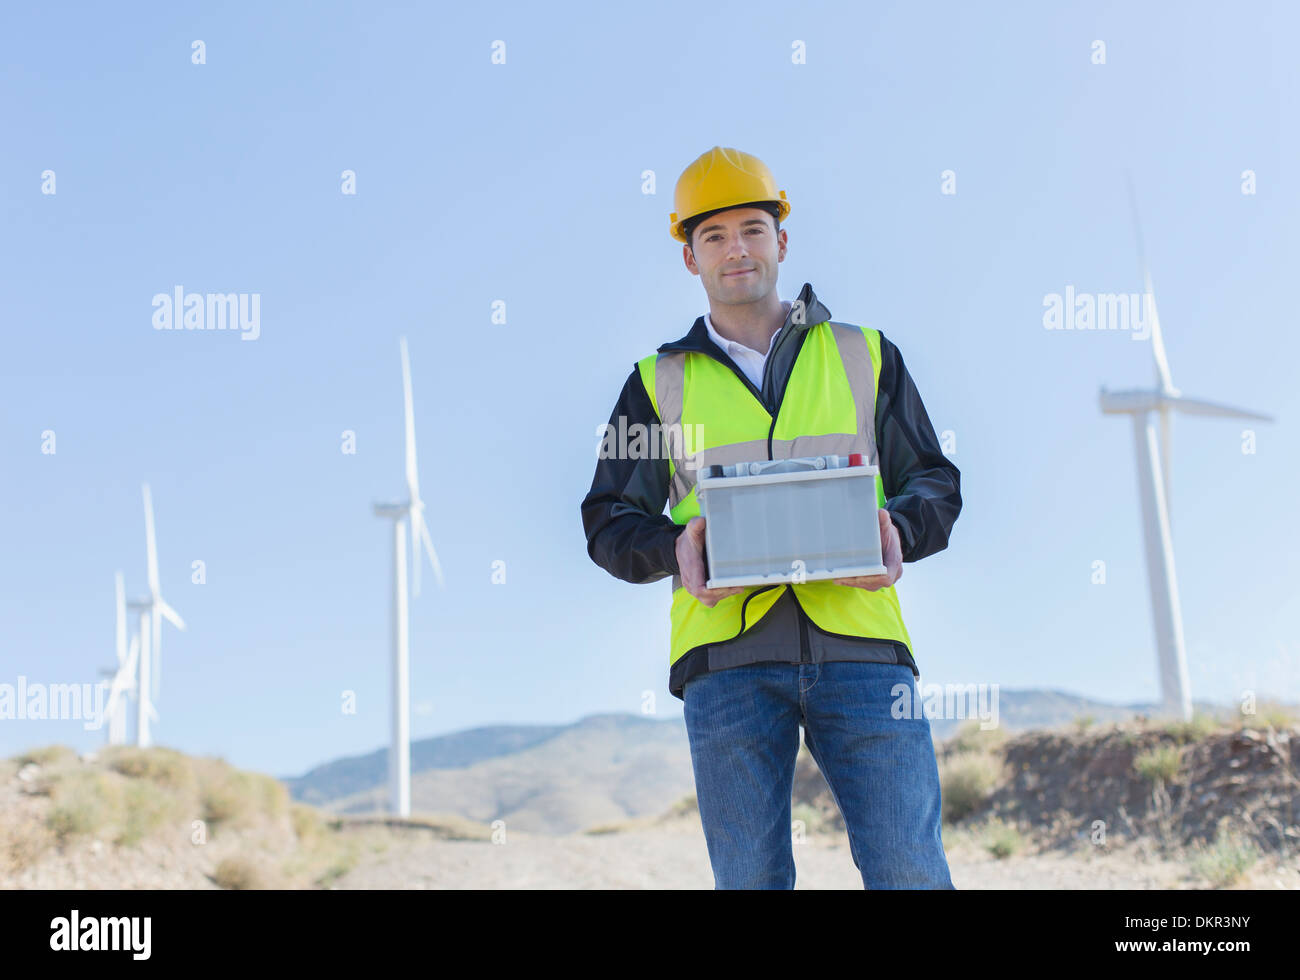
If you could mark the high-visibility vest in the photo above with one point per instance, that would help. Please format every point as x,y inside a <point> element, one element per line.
<point>710,416</point>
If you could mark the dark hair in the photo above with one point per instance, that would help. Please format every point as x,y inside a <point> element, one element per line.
<point>688,228</point>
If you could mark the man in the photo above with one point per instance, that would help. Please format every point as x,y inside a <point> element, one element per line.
<point>757,378</point>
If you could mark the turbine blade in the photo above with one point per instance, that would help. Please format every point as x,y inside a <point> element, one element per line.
<point>121,618</point>
<point>151,546</point>
<point>115,694</point>
<point>161,611</point>
<point>1163,378</point>
<point>433,555</point>
<point>132,658</point>
<point>412,475</point>
<point>132,668</point>
<point>170,614</point>
<point>1197,406</point>
<point>124,679</point>
<point>153,712</point>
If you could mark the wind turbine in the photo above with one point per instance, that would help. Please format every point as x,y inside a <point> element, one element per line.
<point>152,612</point>
<point>399,754</point>
<point>1149,406</point>
<point>123,677</point>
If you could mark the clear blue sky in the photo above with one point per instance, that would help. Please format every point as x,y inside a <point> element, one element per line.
<point>522,182</point>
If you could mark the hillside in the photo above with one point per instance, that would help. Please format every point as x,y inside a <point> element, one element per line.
<point>1201,791</point>
<point>603,768</point>
<point>356,774</point>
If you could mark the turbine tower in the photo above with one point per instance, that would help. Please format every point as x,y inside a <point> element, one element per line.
<point>399,753</point>
<point>153,611</point>
<point>1147,407</point>
<point>123,676</point>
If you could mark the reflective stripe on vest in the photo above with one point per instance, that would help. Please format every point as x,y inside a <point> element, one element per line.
<point>708,415</point>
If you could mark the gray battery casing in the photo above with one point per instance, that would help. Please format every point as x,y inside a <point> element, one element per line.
<point>789,520</point>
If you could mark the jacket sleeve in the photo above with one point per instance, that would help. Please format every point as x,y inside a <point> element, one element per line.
<point>628,533</point>
<point>922,486</point>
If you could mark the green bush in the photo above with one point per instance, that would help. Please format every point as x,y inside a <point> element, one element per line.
<point>1200,727</point>
<point>1226,860</point>
<point>1160,764</point>
<point>1002,839</point>
<point>966,779</point>
<point>971,738</point>
<point>337,868</point>
<point>812,818</point>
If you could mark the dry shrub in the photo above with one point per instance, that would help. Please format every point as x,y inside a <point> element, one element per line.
<point>238,874</point>
<point>232,797</point>
<point>24,837</point>
<point>966,779</point>
<point>49,755</point>
<point>84,801</point>
<point>149,808</point>
<point>165,767</point>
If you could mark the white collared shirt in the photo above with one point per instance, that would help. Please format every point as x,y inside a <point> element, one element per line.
<point>747,359</point>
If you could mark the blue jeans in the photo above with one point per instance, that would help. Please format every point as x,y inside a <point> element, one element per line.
<point>743,725</point>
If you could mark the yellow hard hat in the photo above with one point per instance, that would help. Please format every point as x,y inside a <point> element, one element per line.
<point>723,178</point>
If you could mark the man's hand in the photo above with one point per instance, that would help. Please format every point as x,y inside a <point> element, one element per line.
<point>690,564</point>
<point>891,549</point>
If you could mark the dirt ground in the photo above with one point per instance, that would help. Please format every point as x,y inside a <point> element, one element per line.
<point>677,858</point>
<point>667,855</point>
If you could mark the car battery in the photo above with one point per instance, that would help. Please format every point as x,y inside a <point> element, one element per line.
<point>790,520</point>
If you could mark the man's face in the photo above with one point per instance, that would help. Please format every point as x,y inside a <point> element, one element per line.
<point>736,254</point>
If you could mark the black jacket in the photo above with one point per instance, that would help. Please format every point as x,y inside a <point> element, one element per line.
<point>630,536</point>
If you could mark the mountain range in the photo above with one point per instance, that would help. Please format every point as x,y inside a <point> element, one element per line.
<point>603,768</point>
